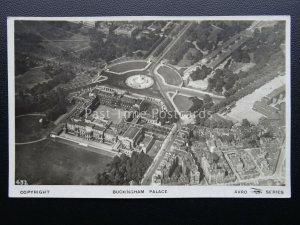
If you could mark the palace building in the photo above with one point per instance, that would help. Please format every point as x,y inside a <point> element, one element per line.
<point>125,137</point>
<point>123,101</point>
<point>131,137</point>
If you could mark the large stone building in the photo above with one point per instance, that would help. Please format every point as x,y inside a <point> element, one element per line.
<point>267,105</point>
<point>90,131</point>
<point>123,101</point>
<point>128,134</point>
<point>104,26</point>
<point>128,30</point>
<point>216,169</point>
<point>131,137</point>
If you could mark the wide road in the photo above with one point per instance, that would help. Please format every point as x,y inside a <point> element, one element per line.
<point>159,156</point>
<point>171,137</point>
<point>187,91</point>
<point>163,88</point>
<point>157,61</point>
<point>170,45</point>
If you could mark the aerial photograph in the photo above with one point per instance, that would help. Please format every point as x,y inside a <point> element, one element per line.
<point>150,102</point>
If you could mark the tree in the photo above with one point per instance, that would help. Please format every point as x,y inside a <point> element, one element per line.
<point>189,56</point>
<point>246,123</point>
<point>124,169</point>
<point>237,55</point>
<point>207,99</point>
<point>219,86</point>
<point>197,104</point>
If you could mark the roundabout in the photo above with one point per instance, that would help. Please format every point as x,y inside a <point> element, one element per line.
<point>139,81</point>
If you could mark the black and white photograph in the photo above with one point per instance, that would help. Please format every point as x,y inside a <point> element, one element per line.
<point>149,107</point>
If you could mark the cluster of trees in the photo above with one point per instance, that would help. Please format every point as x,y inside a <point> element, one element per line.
<point>217,123</point>
<point>177,53</point>
<point>222,78</point>
<point>201,35</point>
<point>266,42</point>
<point>249,81</point>
<point>167,117</point>
<point>200,74</point>
<point>181,47</point>
<point>200,105</point>
<point>27,41</point>
<point>241,55</point>
<point>204,44</point>
<point>53,104</point>
<point>67,26</point>
<point>124,169</point>
<point>208,34</point>
<point>261,73</point>
<point>60,76</point>
<point>24,63</point>
<point>236,95</point>
<point>55,112</point>
<point>197,104</point>
<point>249,134</point>
<point>164,42</point>
<point>25,44</point>
<point>194,57</point>
<point>201,108</point>
<point>207,101</point>
<point>114,46</point>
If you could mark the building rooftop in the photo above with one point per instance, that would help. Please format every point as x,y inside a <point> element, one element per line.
<point>132,132</point>
<point>276,92</point>
<point>150,116</point>
<point>147,139</point>
<point>111,132</point>
<point>99,128</point>
<point>126,27</point>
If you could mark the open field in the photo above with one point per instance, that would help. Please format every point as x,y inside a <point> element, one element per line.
<point>170,75</point>
<point>199,84</point>
<point>182,102</point>
<point>54,37</point>
<point>28,128</point>
<point>54,163</point>
<point>73,46</point>
<point>187,62</point>
<point>127,66</point>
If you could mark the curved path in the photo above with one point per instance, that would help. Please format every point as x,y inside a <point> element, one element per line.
<point>130,70</point>
<point>35,141</point>
<point>187,91</point>
<point>31,142</point>
<point>31,114</point>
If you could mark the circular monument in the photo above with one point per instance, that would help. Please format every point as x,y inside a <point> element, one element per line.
<point>139,81</point>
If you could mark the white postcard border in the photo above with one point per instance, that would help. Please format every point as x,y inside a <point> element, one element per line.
<point>93,191</point>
